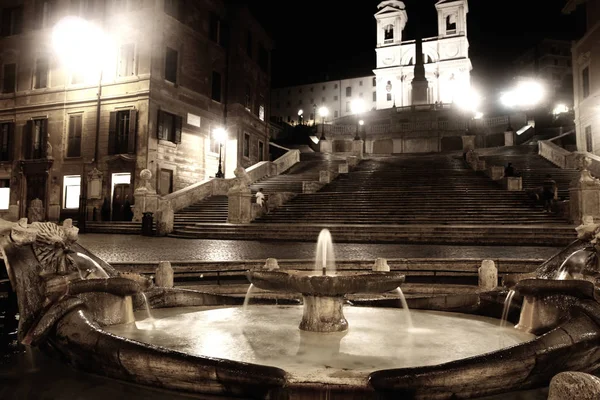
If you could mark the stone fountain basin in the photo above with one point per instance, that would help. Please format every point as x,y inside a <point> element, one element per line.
<point>334,285</point>
<point>580,289</point>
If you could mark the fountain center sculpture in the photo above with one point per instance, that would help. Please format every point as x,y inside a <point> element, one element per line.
<point>324,293</point>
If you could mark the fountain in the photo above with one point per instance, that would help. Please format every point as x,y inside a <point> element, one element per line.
<point>206,343</point>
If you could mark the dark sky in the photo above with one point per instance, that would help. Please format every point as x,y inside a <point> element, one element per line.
<point>336,39</point>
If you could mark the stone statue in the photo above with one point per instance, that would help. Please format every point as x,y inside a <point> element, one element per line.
<point>242,180</point>
<point>145,185</point>
<point>392,3</point>
<point>35,211</point>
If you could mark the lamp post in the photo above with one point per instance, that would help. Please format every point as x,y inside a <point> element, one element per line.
<point>525,96</point>
<point>82,47</point>
<point>323,112</point>
<point>220,135</point>
<point>358,107</point>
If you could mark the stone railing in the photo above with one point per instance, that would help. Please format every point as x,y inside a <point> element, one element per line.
<point>553,153</point>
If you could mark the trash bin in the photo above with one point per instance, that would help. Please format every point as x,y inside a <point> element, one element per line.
<point>147,221</point>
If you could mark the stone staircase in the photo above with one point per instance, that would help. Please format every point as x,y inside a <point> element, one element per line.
<point>405,199</point>
<point>213,210</point>
<point>532,167</point>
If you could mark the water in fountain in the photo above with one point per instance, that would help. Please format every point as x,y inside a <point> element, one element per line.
<point>325,258</point>
<point>99,270</point>
<point>247,298</point>
<point>407,316</point>
<point>150,317</point>
<point>506,309</point>
<point>31,364</point>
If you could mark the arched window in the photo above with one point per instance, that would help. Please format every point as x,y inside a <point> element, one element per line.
<point>429,60</point>
<point>451,24</point>
<point>388,33</point>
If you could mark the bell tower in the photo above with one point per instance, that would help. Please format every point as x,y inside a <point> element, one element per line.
<point>391,20</point>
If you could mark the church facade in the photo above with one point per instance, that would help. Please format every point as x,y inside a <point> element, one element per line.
<point>445,60</point>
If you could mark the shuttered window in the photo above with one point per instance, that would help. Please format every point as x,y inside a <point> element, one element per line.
<point>36,139</point>
<point>122,132</point>
<point>169,127</point>
<point>74,140</point>
<point>7,131</point>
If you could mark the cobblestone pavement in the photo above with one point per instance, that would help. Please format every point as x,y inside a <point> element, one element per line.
<point>115,248</point>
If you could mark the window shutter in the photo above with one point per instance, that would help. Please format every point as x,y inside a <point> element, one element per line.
<point>28,143</point>
<point>112,133</point>
<point>44,138</point>
<point>10,141</point>
<point>178,127</point>
<point>160,133</point>
<point>132,131</point>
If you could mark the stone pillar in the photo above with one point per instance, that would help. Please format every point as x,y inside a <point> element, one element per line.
<point>146,199</point>
<point>468,142</point>
<point>239,205</point>
<point>496,172</point>
<point>574,385</point>
<point>509,138</point>
<point>584,194</point>
<point>164,275</point>
<point>325,146</point>
<point>311,186</point>
<point>514,183</point>
<point>343,168</point>
<point>488,275</point>
<point>165,218</point>
<point>381,265</point>
<point>324,176</point>
<point>357,148</point>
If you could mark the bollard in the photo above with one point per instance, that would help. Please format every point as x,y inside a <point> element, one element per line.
<point>164,275</point>
<point>381,265</point>
<point>488,275</point>
<point>271,264</point>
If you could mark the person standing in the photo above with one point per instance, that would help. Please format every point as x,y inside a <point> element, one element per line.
<point>260,200</point>
<point>548,192</point>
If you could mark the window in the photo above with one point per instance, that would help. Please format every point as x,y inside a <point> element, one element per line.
<point>215,28</point>
<point>374,81</point>
<point>585,81</point>
<point>248,98</point>
<point>348,91</point>
<point>388,33</point>
<point>7,132</point>
<point>43,13</point>
<point>74,139</point>
<point>9,78</point>
<point>169,127</point>
<point>360,83</point>
<point>324,87</point>
<point>335,98</point>
<point>374,96</point>
<point>588,139</point>
<point>122,132</point>
<point>249,43</point>
<point>126,60</point>
<point>37,133</point>
<point>246,145</point>
<point>171,65</point>
<point>263,59</point>
<point>451,23</point>
<point>12,21</point>
<point>4,194</point>
<point>389,97</point>
<point>216,86</point>
<point>71,191</point>
<point>555,62</point>
<point>41,73</point>
<point>347,106</point>
<point>335,86</point>
<point>261,112</point>
<point>335,114</point>
<point>261,151</point>
<point>323,100</point>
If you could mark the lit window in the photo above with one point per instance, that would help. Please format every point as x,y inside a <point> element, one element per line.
<point>261,112</point>
<point>4,194</point>
<point>71,191</point>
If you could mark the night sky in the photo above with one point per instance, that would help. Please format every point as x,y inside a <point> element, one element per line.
<point>316,40</point>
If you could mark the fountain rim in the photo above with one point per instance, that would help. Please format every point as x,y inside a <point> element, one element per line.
<point>573,287</point>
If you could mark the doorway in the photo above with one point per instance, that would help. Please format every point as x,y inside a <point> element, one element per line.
<point>36,189</point>
<point>165,183</point>
<point>121,197</point>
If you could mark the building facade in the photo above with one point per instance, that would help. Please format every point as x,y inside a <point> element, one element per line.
<point>550,62</point>
<point>446,61</point>
<point>586,77</point>
<point>121,87</point>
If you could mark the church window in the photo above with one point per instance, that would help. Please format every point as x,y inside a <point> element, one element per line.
<point>451,24</point>
<point>335,115</point>
<point>335,98</point>
<point>374,81</point>
<point>349,91</point>
<point>360,83</point>
<point>374,96</point>
<point>389,97</point>
<point>388,33</point>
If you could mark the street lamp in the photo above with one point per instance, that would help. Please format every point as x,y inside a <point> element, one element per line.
<point>525,96</point>
<point>323,112</point>
<point>83,48</point>
<point>220,135</point>
<point>300,113</point>
<point>358,107</point>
